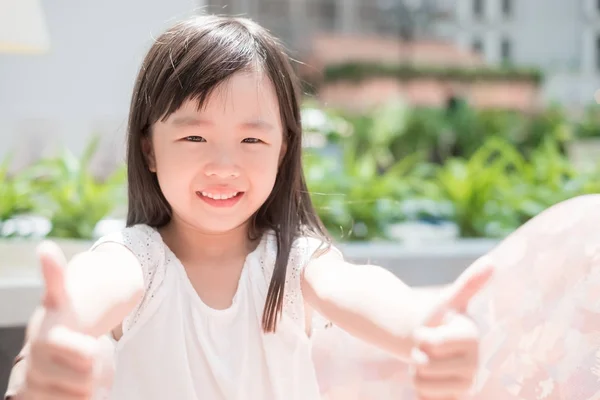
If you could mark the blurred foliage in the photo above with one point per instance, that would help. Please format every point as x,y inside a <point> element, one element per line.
<point>357,71</point>
<point>77,200</point>
<point>64,190</point>
<point>486,171</point>
<point>588,125</point>
<point>15,193</point>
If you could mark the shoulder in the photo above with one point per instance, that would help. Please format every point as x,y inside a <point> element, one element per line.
<point>146,244</point>
<point>129,235</point>
<point>310,247</point>
<point>141,240</point>
<point>305,247</point>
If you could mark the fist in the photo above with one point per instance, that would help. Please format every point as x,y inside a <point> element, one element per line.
<point>446,347</point>
<point>63,362</point>
<point>446,359</point>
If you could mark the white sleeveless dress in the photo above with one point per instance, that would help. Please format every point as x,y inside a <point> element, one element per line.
<point>176,347</point>
<point>539,321</point>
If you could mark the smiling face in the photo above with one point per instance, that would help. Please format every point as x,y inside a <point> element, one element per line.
<point>216,166</point>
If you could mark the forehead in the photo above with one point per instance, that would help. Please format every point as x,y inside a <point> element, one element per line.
<point>244,95</point>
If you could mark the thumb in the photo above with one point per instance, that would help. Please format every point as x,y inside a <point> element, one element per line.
<point>458,296</point>
<point>53,263</point>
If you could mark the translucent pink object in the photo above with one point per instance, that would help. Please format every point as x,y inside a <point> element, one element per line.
<point>539,320</point>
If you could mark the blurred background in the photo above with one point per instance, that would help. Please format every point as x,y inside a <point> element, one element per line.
<point>433,128</point>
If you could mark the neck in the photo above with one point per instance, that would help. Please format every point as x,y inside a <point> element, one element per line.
<point>190,243</point>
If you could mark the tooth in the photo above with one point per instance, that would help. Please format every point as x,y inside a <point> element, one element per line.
<point>219,196</point>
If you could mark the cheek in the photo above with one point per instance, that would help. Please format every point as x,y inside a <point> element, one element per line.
<point>174,170</point>
<point>265,161</point>
<point>176,158</point>
<point>262,170</point>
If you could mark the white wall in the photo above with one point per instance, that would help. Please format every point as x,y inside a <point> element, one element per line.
<point>84,84</point>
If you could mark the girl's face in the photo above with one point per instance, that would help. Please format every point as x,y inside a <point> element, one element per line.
<point>216,166</point>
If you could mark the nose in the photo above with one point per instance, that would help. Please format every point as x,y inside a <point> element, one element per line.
<point>222,165</point>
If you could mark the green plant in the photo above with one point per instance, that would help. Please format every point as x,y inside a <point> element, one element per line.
<point>475,188</point>
<point>424,131</point>
<point>354,198</point>
<point>15,193</point>
<point>546,178</point>
<point>374,133</point>
<point>358,71</point>
<point>496,168</point>
<point>588,126</point>
<point>396,130</point>
<point>552,123</point>
<point>77,200</point>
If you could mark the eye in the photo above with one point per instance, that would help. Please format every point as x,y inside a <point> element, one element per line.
<point>195,139</point>
<point>252,140</point>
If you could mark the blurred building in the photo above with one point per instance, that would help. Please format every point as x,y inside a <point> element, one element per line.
<point>83,84</point>
<point>296,21</point>
<point>560,37</point>
<point>420,33</point>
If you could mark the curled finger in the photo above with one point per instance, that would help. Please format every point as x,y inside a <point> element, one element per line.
<point>441,388</point>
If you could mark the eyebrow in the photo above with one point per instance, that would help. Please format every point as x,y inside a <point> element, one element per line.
<point>258,124</point>
<point>186,120</point>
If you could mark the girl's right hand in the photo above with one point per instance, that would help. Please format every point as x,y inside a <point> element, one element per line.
<point>63,362</point>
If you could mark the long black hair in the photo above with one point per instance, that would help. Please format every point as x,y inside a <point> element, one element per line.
<point>187,62</point>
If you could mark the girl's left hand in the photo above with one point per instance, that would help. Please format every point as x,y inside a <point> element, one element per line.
<point>446,352</point>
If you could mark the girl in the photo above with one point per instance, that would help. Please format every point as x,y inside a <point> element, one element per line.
<point>213,289</point>
<point>224,278</point>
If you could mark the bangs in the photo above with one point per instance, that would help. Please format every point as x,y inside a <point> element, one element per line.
<point>198,56</point>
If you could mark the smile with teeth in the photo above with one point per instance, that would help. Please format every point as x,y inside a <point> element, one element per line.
<point>222,196</point>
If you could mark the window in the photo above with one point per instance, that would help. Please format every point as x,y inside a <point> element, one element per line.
<point>478,10</point>
<point>477,46</point>
<point>507,7</point>
<point>273,8</point>
<point>369,15</point>
<point>324,13</point>
<point>506,51</point>
<point>328,12</point>
<point>598,52</point>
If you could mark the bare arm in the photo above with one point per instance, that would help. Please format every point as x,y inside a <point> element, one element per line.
<point>366,301</point>
<point>103,287</point>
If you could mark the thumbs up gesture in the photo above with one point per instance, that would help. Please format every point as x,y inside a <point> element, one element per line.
<point>63,362</point>
<point>446,353</point>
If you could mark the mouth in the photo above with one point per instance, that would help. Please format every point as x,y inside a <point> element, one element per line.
<point>220,200</point>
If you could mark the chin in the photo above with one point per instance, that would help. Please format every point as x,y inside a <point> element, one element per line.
<point>220,225</point>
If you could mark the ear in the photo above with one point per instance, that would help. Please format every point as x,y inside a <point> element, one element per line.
<point>148,152</point>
